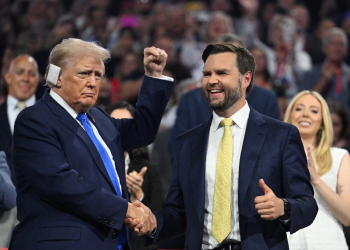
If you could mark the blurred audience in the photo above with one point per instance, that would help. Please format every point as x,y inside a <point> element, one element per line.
<point>300,15</point>
<point>262,78</point>
<point>248,24</point>
<point>313,44</point>
<point>331,78</point>
<point>341,124</point>
<point>285,64</point>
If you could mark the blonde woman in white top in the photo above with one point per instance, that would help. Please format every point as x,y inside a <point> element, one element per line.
<point>329,173</point>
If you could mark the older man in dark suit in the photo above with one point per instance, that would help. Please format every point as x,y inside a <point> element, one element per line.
<point>69,155</point>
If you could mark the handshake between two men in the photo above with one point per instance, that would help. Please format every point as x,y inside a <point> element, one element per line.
<point>140,218</point>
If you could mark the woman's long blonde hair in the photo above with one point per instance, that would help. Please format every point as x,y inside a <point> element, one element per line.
<point>324,136</point>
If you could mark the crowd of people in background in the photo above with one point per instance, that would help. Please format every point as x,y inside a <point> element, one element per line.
<point>297,45</point>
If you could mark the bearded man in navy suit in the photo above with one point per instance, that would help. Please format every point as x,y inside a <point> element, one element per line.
<point>269,190</point>
<point>69,155</point>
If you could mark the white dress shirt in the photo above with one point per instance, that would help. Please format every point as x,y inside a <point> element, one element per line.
<point>74,114</point>
<point>215,134</point>
<point>13,111</point>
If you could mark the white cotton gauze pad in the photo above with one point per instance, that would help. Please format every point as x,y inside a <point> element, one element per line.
<point>54,72</point>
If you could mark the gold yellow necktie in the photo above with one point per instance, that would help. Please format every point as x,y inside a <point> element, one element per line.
<point>222,194</point>
<point>21,105</point>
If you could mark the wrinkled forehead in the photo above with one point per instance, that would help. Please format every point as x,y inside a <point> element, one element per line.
<point>82,61</point>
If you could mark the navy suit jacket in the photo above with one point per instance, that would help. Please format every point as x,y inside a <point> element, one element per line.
<point>194,110</point>
<point>272,150</point>
<point>66,199</point>
<point>5,135</point>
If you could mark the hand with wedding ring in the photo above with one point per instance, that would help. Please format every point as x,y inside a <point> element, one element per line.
<point>134,183</point>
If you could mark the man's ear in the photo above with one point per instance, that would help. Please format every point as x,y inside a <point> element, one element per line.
<point>247,78</point>
<point>59,82</point>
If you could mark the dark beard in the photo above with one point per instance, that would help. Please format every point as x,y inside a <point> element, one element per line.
<point>232,95</point>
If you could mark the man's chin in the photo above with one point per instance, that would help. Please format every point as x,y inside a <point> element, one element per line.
<point>84,108</point>
<point>217,107</point>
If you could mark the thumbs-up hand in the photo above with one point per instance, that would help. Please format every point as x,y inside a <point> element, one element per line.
<point>134,183</point>
<point>268,205</point>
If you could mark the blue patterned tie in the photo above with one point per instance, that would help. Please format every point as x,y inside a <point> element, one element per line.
<point>108,165</point>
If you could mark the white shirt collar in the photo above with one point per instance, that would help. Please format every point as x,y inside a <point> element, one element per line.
<point>63,103</point>
<point>240,117</point>
<point>12,102</point>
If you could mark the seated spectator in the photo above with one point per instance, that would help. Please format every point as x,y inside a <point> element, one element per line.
<point>330,78</point>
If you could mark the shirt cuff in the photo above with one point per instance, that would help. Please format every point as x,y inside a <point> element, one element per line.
<point>167,78</point>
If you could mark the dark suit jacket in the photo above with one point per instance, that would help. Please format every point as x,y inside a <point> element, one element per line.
<point>272,150</point>
<point>5,135</point>
<point>194,110</point>
<point>66,199</point>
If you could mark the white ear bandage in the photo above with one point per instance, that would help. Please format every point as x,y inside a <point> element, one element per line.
<point>53,74</point>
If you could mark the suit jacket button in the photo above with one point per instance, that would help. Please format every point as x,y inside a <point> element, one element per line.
<point>114,235</point>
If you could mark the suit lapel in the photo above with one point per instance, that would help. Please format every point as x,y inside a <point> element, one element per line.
<point>198,152</point>
<point>66,119</point>
<point>254,138</point>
